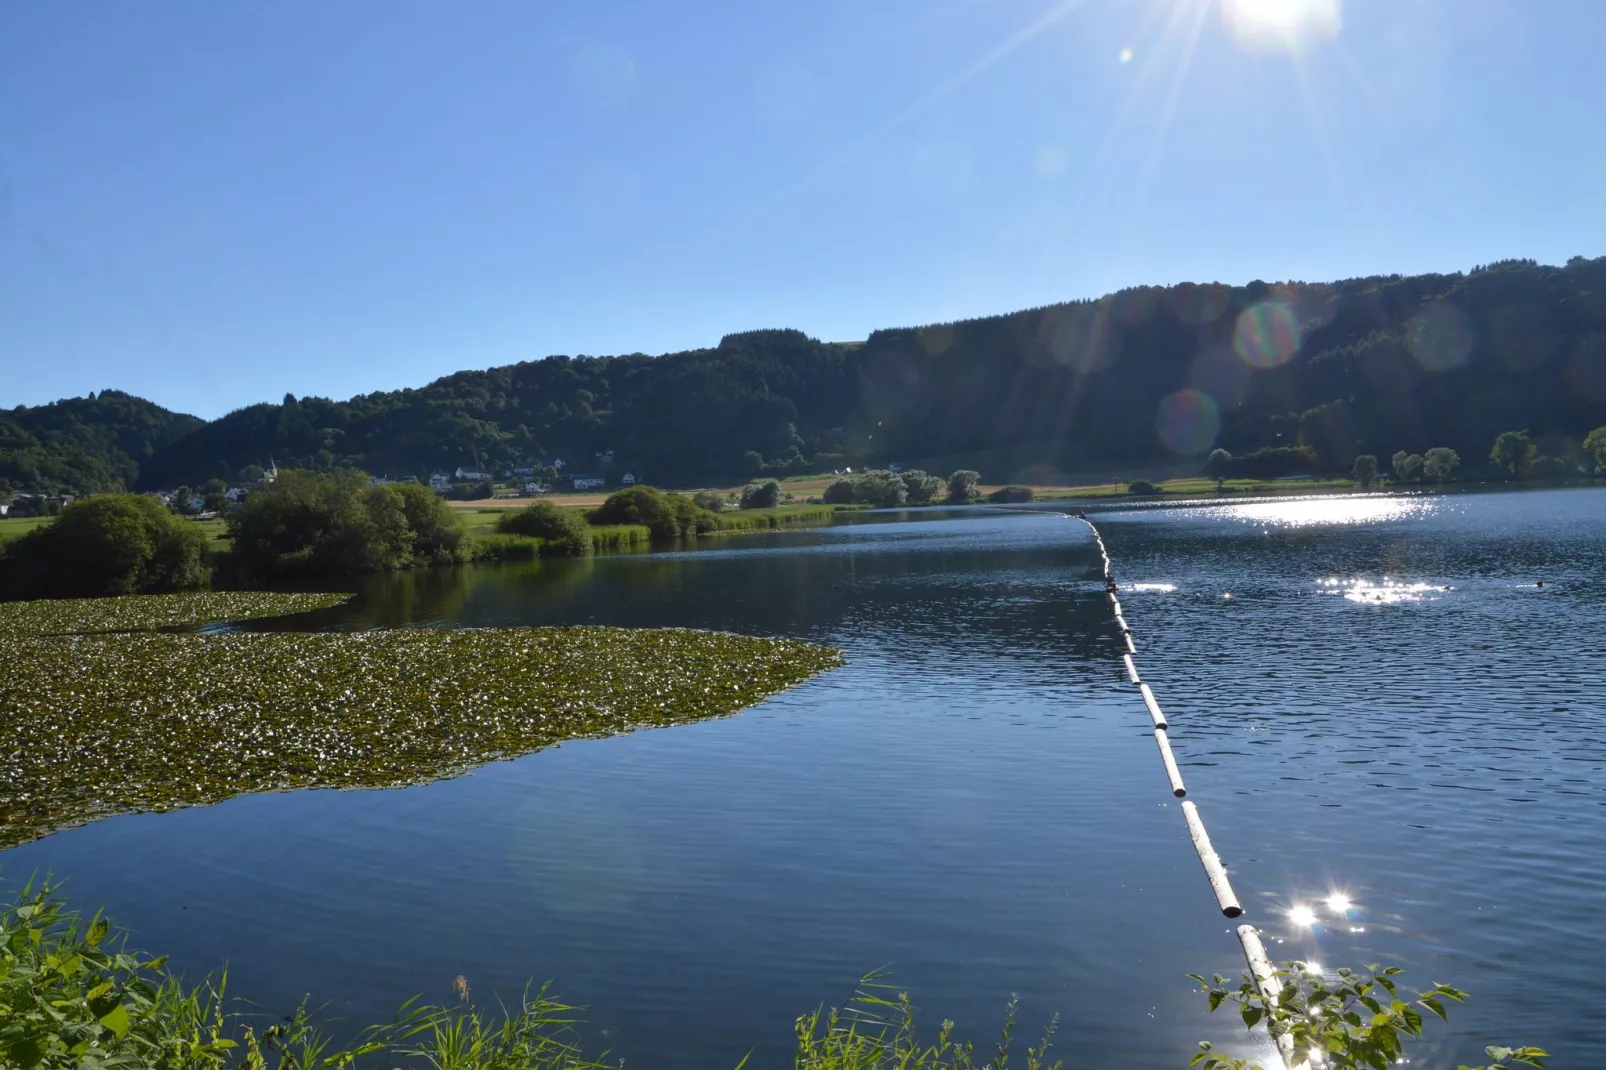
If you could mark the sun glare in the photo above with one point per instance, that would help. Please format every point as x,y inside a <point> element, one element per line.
<point>1286,22</point>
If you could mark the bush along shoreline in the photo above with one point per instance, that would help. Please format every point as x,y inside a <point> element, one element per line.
<point>309,525</point>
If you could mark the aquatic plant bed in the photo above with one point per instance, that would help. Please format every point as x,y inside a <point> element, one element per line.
<point>152,612</point>
<point>103,724</point>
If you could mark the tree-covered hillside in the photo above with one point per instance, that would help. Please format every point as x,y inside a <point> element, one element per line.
<point>1146,376</point>
<point>82,445</point>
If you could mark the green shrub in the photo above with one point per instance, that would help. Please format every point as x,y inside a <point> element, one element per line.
<point>962,485</point>
<point>765,495</point>
<point>841,492</point>
<point>492,546</point>
<point>1012,494</point>
<point>110,544</point>
<point>325,524</point>
<point>1142,486</point>
<point>667,516</point>
<point>563,532</point>
<point>712,500</point>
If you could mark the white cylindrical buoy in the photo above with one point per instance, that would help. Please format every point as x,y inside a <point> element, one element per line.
<point>1265,975</point>
<point>1131,647</point>
<point>1172,773</point>
<point>1131,668</point>
<point>1154,707</point>
<point>1212,863</point>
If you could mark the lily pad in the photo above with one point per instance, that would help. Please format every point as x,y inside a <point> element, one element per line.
<point>104,724</point>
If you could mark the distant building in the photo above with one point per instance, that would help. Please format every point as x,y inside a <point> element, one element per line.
<point>586,482</point>
<point>5,507</point>
<point>235,494</point>
<point>628,480</point>
<point>440,484</point>
<point>197,504</point>
<point>534,488</point>
<point>472,475</point>
<point>605,457</point>
<point>560,463</point>
<point>528,470</point>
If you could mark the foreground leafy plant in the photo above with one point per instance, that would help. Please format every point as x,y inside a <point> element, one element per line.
<point>104,724</point>
<point>1355,1021</point>
<point>152,612</point>
<point>73,997</point>
<point>876,1031</point>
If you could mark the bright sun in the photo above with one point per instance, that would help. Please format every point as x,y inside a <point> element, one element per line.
<point>1281,21</point>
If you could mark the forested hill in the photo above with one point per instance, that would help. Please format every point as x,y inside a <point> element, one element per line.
<point>1143,377</point>
<point>83,445</point>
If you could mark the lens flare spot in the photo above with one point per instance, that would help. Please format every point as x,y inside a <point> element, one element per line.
<point>1188,421</point>
<point>1439,337</point>
<point>1125,55</point>
<point>1302,916</point>
<point>1266,334</point>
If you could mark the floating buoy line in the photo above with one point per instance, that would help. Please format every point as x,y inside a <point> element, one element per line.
<point>1260,967</point>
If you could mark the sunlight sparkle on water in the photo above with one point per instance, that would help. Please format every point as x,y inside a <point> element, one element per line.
<point>1303,916</point>
<point>1388,593</point>
<point>1335,509</point>
<point>1338,903</point>
<point>1162,588</point>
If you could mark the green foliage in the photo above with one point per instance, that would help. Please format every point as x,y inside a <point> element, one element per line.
<point>1407,466</point>
<point>1069,384</point>
<point>962,485</point>
<point>781,517</point>
<point>1440,463</point>
<point>712,500</point>
<point>1364,471</point>
<point>1218,466</point>
<point>667,516</point>
<point>74,997</point>
<point>1349,1021</point>
<point>563,532</point>
<point>494,546</point>
<point>153,612</point>
<point>842,492</point>
<point>613,537</point>
<point>109,544</point>
<point>104,724</point>
<point>84,445</point>
<point>1595,447</point>
<point>765,495</point>
<point>1012,494</point>
<point>876,1031</point>
<point>1515,452</point>
<point>334,523</point>
<point>1143,487</point>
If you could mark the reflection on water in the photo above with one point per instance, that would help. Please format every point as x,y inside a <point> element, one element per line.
<point>1389,592</point>
<point>1331,509</point>
<point>973,798</point>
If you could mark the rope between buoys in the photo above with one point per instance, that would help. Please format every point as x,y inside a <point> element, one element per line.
<point>1260,966</point>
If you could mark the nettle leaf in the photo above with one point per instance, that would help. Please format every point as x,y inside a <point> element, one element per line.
<point>117,1021</point>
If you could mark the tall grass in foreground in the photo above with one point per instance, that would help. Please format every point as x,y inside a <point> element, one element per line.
<point>606,538</point>
<point>73,997</point>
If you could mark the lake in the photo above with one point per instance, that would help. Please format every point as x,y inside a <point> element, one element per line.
<point>1369,697</point>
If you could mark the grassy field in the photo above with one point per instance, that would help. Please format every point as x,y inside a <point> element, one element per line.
<point>1197,488</point>
<point>13,526</point>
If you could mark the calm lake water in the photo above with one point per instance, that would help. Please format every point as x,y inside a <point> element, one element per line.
<point>974,799</point>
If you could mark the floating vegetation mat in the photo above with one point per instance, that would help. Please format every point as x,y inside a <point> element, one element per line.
<point>103,724</point>
<point>152,612</point>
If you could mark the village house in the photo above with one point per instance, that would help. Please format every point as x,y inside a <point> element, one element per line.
<point>628,480</point>
<point>439,483</point>
<point>587,482</point>
<point>472,475</point>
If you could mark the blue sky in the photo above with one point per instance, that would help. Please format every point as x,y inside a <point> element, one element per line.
<point>210,204</point>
